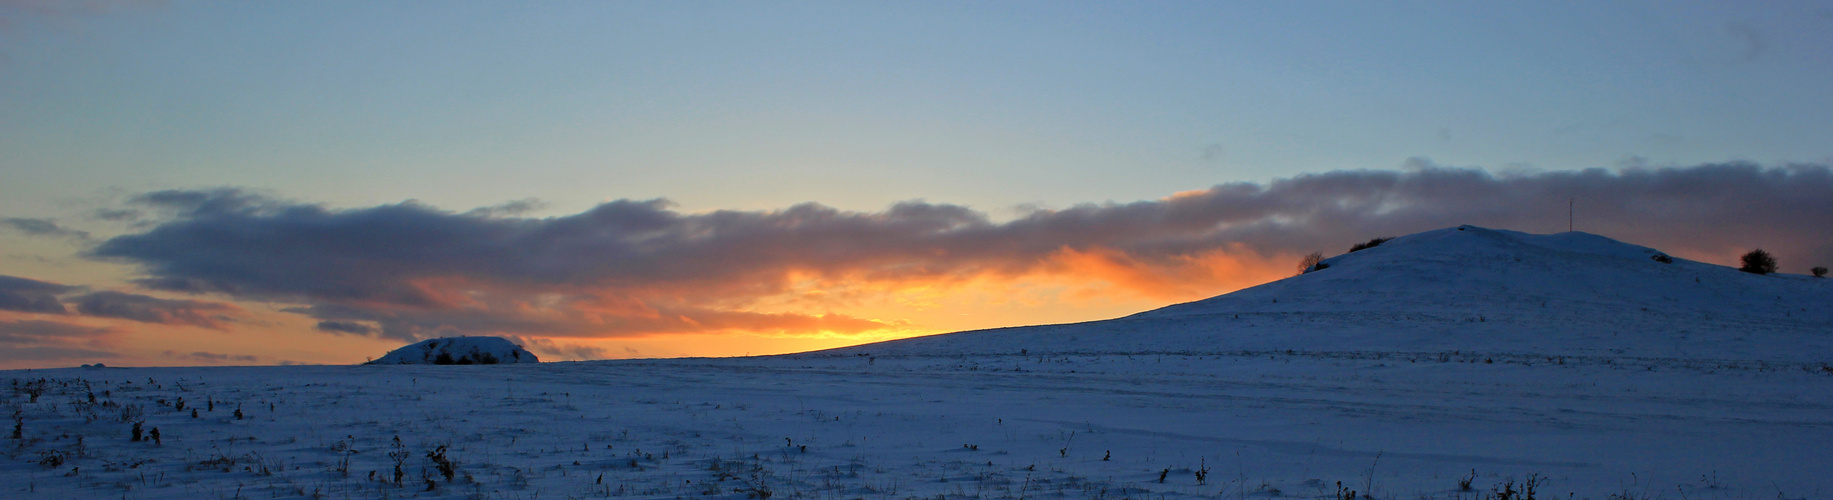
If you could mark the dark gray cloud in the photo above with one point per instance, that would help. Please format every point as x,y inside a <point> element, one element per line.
<point>211,357</point>
<point>517,207</point>
<point>27,295</point>
<point>116,214</point>
<point>147,309</point>
<point>31,330</point>
<point>636,267</point>
<point>346,327</point>
<point>190,203</point>
<point>53,353</point>
<point>583,317</point>
<point>43,227</point>
<point>39,340</point>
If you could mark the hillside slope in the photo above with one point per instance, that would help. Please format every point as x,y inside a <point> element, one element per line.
<point>1468,289</point>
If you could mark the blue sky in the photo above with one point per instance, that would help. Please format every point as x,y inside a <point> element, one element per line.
<point>858,105</point>
<point>233,178</point>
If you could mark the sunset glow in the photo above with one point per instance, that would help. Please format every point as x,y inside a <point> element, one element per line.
<point>263,183</point>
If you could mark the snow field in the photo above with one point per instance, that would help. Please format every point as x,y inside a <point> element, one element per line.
<point>1034,425</point>
<point>1462,363</point>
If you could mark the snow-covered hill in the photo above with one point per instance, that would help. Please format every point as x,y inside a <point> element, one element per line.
<point>458,351</point>
<point>1469,289</point>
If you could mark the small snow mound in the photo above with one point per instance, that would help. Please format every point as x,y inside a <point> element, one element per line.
<point>458,351</point>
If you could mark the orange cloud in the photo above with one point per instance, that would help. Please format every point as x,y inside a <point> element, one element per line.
<point>1174,278</point>
<point>1068,284</point>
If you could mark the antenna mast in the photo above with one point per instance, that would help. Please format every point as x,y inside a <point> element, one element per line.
<point>1569,215</point>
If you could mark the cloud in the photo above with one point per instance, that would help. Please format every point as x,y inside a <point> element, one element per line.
<point>43,227</point>
<point>1751,40</point>
<point>549,350</point>
<point>147,309</point>
<point>346,327</point>
<point>207,202</point>
<point>581,316</point>
<point>517,207</point>
<point>53,353</point>
<point>1214,152</point>
<point>115,214</point>
<point>33,296</point>
<point>26,331</point>
<point>211,357</point>
<point>39,340</point>
<point>637,267</point>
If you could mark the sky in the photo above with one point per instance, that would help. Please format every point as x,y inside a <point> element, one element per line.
<point>318,182</point>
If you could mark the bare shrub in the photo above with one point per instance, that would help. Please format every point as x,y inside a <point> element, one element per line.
<point>1758,262</point>
<point>1369,244</point>
<point>1311,263</point>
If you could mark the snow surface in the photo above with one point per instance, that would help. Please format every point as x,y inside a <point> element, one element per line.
<point>458,351</point>
<point>1397,372</point>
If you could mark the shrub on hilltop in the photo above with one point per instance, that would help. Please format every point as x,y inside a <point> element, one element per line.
<point>1819,271</point>
<point>1369,244</point>
<point>1758,262</point>
<point>1312,262</point>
